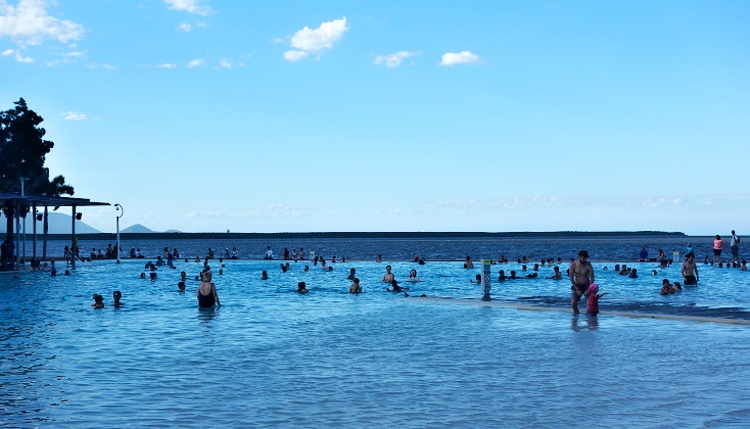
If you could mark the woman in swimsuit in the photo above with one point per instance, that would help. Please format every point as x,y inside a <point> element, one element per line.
<point>207,296</point>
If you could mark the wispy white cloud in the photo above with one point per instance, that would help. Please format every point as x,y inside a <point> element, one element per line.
<point>22,59</point>
<point>104,66</point>
<point>196,63</point>
<point>74,116</point>
<point>167,66</point>
<point>17,55</point>
<point>224,63</point>
<point>292,55</point>
<point>190,6</point>
<point>315,40</point>
<point>29,22</point>
<point>394,60</point>
<point>463,57</point>
<point>185,27</point>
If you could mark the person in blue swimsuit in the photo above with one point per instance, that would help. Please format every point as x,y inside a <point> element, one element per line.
<point>207,296</point>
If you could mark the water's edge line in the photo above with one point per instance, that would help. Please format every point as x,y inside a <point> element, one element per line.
<point>507,304</point>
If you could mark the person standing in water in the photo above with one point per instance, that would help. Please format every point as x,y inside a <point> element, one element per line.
<point>592,305</point>
<point>581,277</point>
<point>690,270</point>
<point>734,244</point>
<point>207,296</point>
<point>718,244</point>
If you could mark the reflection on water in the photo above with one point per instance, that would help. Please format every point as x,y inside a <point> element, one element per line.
<point>207,314</point>
<point>588,322</point>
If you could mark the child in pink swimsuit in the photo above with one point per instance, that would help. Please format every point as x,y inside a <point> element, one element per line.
<point>592,303</point>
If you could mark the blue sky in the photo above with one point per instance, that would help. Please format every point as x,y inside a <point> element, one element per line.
<point>297,116</point>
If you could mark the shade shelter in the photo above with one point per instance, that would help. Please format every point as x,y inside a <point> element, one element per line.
<point>22,204</point>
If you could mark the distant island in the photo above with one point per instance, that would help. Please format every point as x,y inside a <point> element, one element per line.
<point>282,235</point>
<point>60,226</point>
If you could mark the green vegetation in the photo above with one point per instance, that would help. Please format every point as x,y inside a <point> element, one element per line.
<point>23,151</point>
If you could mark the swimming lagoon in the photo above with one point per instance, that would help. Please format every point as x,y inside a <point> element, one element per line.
<point>270,357</point>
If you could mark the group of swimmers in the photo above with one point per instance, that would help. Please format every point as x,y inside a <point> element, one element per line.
<point>207,290</point>
<point>99,300</point>
<point>668,288</point>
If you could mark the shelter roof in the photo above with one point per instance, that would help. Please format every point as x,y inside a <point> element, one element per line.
<point>45,200</point>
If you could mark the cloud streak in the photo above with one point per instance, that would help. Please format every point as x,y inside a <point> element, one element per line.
<point>17,55</point>
<point>189,6</point>
<point>394,60</point>
<point>196,63</point>
<point>74,116</point>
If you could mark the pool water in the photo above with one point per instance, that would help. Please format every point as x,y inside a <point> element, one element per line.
<point>270,357</point>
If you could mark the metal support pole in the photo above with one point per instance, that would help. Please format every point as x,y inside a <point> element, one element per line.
<point>119,208</point>
<point>33,247</point>
<point>73,240</point>
<point>23,245</point>
<point>14,255</point>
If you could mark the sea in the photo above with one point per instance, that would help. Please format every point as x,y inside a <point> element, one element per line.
<point>622,248</point>
<point>442,357</point>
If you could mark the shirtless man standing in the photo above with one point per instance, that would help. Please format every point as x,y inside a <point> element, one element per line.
<point>690,270</point>
<point>388,276</point>
<point>581,276</point>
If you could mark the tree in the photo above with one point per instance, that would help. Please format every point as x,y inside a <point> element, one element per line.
<point>23,151</point>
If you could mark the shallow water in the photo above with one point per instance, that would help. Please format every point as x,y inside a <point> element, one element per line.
<point>272,358</point>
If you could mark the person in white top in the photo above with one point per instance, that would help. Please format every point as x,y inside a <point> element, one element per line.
<point>734,244</point>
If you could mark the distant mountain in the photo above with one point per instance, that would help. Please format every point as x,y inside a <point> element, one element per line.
<point>137,228</point>
<point>58,223</point>
<point>173,231</point>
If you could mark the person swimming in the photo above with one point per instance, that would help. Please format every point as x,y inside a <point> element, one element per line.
<point>666,287</point>
<point>468,263</point>
<point>98,301</point>
<point>302,288</point>
<point>396,288</point>
<point>388,277</point>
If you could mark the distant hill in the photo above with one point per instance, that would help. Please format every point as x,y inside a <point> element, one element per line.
<point>137,228</point>
<point>59,223</point>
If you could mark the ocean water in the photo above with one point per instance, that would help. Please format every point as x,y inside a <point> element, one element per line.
<point>269,357</point>
<point>432,249</point>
